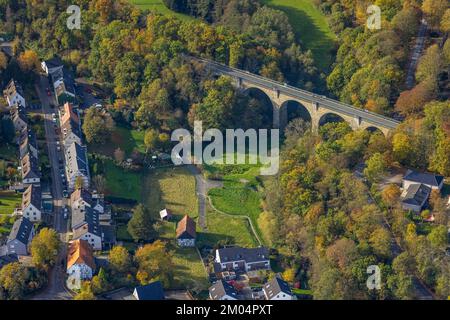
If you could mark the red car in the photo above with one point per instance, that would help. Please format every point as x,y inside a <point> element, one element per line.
<point>48,92</point>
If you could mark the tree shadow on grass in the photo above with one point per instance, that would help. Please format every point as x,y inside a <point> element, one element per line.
<point>310,35</point>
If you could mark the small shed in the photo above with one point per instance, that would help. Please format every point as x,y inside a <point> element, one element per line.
<point>166,214</point>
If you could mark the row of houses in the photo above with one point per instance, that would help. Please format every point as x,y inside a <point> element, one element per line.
<point>31,211</point>
<point>75,152</point>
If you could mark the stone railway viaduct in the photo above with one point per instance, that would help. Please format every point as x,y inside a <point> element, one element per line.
<point>318,108</point>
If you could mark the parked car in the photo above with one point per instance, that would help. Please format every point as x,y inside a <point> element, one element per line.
<point>65,194</point>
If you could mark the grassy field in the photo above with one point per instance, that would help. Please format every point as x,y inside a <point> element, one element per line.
<point>189,270</point>
<point>9,201</point>
<point>239,194</point>
<point>173,189</point>
<point>223,228</point>
<point>158,6</point>
<point>121,183</point>
<point>310,27</point>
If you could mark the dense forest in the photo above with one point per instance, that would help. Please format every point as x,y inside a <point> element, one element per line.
<point>322,220</point>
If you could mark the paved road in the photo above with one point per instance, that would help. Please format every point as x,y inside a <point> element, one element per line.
<point>202,187</point>
<point>56,289</point>
<point>417,52</point>
<point>327,103</point>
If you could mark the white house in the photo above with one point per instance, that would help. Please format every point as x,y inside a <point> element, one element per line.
<point>77,166</point>
<point>32,203</point>
<point>278,289</point>
<point>30,170</point>
<point>242,259</point>
<point>86,226</point>
<point>20,237</point>
<point>19,119</point>
<point>221,290</point>
<point>14,94</point>
<point>415,197</point>
<point>27,143</point>
<point>52,65</point>
<point>80,263</point>
<point>433,181</point>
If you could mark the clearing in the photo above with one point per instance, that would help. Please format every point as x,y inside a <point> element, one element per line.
<point>158,6</point>
<point>311,28</point>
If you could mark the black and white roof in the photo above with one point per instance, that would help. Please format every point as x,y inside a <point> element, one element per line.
<point>276,286</point>
<point>249,255</point>
<point>417,194</point>
<point>220,289</point>
<point>21,231</point>
<point>425,178</point>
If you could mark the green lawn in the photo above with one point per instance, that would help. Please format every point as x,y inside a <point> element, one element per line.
<point>232,230</point>
<point>9,201</point>
<point>121,183</point>
<point>189,270</point>
<point>239,194</point>
<point>173,189</point>
<point>158,6</point>
<point>310,27</point>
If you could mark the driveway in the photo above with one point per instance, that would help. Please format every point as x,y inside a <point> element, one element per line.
<point>203,186</point>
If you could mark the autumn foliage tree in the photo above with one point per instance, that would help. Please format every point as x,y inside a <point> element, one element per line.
<point>29,61</point>
<point>155,264</point>
<point>412,102</point>
<point>45,247</point>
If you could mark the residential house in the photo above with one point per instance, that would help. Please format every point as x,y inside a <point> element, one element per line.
<point>98,202</point>
<point>19,118</point>
<point>415,197</point>
<point>27,143</point>
<point>151,291</point>
<point>433,181</point>
<point>70,127</point>
<point>278,289</point>
<point>32,203</point>
<point>242,259</point>
<point>68,112</point>
<point>14,94</point>
<point>5,257</point>
<point>31,173</point>
<point>80,263</point>
<point>77,166</point>
<point>82,197</point>
<point>86,226</point>
<point>52,65</point>
<point>222,290</point>
<point>165,214</point>
<point>186,233</point>
<point>20,237</point>
<point>64,85</point>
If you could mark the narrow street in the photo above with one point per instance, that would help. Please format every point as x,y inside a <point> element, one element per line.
<point>56,287</point>
<point>417,52</point>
